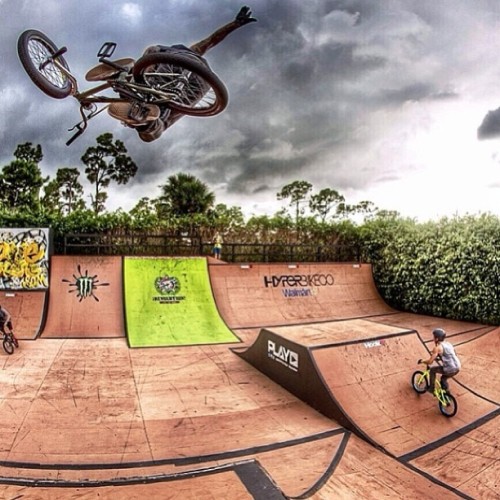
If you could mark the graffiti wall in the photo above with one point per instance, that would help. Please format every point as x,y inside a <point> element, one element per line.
<point>24,259</point>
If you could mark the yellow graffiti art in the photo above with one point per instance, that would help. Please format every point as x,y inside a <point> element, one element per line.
<point>23,260</point>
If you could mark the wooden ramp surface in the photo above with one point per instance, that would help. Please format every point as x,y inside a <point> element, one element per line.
<point>261,295</point>
<point>85,298</point>
<point>91,418</point>
<point>368,383</point>
<point>27,310</point>
<point>455,330</point>
<point>480,358</point>
<point>87,418</point>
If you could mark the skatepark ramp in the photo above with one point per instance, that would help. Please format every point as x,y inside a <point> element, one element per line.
<point>364,383</point>
<point>169,301</point>
<point>85,298</point>
<point>27,310</point>
<point>262,295</point>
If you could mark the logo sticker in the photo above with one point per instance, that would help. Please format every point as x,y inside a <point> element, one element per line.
<point>168,287</point>
<point>84,285</point>
<point>299,285</point>
<point>283,355</point>
<point>374,343</point>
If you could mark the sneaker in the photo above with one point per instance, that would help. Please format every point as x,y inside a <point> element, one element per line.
<point>104,71</point>
<point>134,113</point>
<point>152,132</point>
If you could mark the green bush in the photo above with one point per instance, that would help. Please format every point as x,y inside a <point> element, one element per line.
<point>449,268</point>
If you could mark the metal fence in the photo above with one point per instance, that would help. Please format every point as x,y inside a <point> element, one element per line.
<point>166,245</point>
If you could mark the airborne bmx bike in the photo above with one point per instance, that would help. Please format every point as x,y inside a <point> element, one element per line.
<point>447,403</point>
<point>176,79</point>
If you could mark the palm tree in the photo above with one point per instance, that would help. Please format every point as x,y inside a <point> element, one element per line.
<point>184,194</point>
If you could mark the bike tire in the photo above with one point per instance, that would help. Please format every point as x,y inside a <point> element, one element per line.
<point>205,95</point>
<point>419,383</point>
<point>8,346</point>
<point>33,47</point>
<point>451,408</point>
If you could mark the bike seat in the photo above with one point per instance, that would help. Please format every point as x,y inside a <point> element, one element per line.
<point>104,71</point>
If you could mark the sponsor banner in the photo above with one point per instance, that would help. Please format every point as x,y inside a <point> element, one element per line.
<point>299,285</point>
<point>283,355</point>
<point>24,259</point>
<point>169,301</point>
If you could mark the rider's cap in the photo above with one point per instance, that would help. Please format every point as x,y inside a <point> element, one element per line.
<point>439,334</point>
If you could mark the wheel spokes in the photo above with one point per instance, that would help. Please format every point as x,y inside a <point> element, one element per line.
<point>39,54</point>
<point>182,86</point>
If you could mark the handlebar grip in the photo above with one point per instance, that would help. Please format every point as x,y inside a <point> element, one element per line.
<point>74,136</point>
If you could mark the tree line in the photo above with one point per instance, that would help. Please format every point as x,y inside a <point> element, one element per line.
<point>448,268</point>
<point>185,204</point>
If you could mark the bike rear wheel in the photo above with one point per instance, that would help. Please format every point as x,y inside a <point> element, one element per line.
<point>8,346</point>
<point>419,382</point>
<point>449,407</point>
<point>183,82</point>
<point>34,48</point>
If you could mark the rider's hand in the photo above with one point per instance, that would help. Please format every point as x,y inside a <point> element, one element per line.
<point>245,16</point>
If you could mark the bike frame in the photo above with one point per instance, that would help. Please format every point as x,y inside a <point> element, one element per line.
<point>438,390</point>
<point>121,84</point>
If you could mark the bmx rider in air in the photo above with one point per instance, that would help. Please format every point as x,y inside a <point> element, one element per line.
<point>159,118</point>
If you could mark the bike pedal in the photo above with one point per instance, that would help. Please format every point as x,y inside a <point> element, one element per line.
<point>141,113</point>
<point>138,112</point>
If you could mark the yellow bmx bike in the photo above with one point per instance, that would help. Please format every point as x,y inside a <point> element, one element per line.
<point>420,381</point>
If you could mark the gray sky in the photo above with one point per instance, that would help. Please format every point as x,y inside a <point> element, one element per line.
<point>392,101</point>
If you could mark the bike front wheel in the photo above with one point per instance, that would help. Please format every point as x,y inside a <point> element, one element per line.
<point>34,48</point>
<point>181,81</point>
<point>14,340</point>
<point>8,346</point>
<point>448,407</point>
<point>419,382</point>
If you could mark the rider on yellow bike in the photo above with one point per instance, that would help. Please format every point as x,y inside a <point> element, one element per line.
<point>445,352</point>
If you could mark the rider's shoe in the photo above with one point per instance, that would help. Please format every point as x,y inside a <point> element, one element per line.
<point>104,71</point>
<point>134,113</point>
<point>151,132</point>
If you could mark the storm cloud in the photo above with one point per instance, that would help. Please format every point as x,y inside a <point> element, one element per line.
<point>363,97</point>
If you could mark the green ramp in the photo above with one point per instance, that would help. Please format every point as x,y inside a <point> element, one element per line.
<point>169,302</point>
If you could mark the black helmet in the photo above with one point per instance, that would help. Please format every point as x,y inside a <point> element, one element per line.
<point>439,334</point>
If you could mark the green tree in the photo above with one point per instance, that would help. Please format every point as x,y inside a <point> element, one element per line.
<point>28,152</point>
<point>144,213</point>
<point>365,208</point>
<point>227,218</point>
<point>64,193</point>
<point>297,191</point>
<point>323,202</point>
<point>184,194</point>
<point>107,162</point>
<point>21,180</point>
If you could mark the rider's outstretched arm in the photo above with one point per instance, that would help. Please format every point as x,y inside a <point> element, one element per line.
<point>244,17</point>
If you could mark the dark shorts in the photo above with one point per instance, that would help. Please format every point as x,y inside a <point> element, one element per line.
<point>8,324</point>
